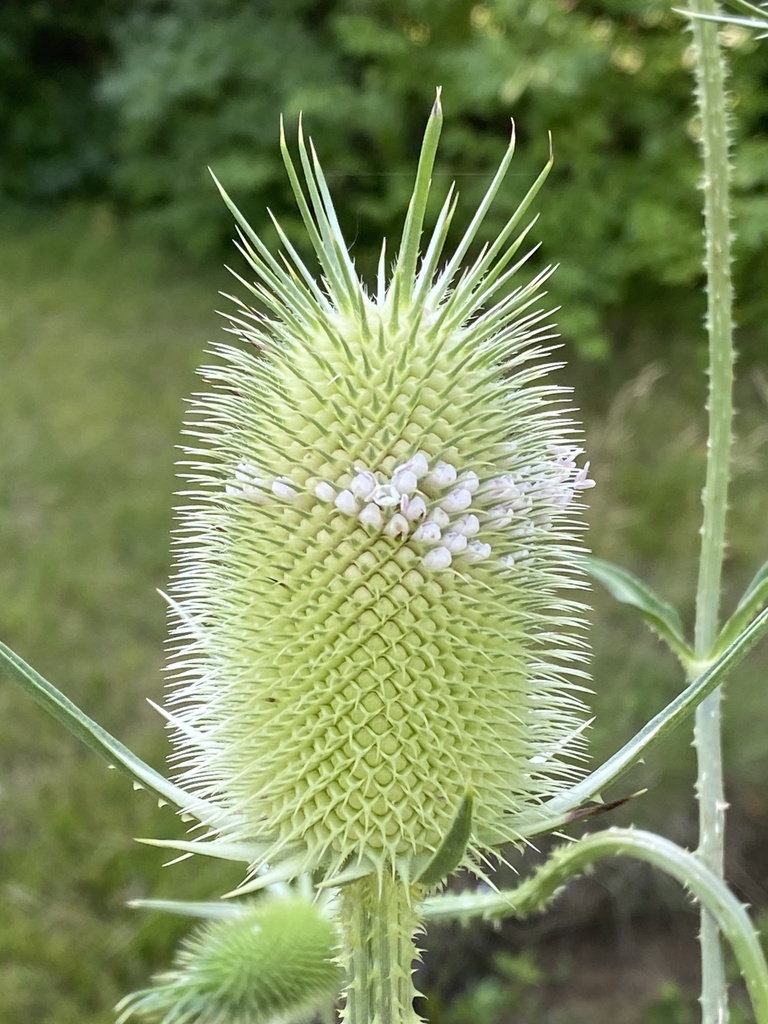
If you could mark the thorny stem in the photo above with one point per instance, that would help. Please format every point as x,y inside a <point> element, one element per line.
<point>711,100</point>
<point>534,894</point>
<point>378,922</point>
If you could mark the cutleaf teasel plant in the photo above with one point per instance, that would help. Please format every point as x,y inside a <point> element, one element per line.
<point>378,668</point>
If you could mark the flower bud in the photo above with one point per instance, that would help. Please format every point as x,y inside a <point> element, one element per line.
<point>272,962</point>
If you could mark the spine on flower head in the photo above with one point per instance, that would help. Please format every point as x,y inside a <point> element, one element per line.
<point>375,564</point>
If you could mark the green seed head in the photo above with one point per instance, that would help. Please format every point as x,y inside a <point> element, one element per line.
<point>273,963</point>
<point>370,575</point>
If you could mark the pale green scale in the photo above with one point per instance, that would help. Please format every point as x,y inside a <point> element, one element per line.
<point>358,631</point>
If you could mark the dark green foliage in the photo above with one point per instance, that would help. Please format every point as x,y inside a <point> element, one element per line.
<point>139,98</point>
<point>512,990</point>
<point>56,135</point>
<point>202,81</point>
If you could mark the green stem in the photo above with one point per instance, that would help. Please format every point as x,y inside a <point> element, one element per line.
<point>534,894</point>
<point>379,920</point>
<point>711,100</point>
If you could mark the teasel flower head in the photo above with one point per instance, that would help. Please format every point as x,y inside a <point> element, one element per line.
<point>270,962</point>
<point>375,569</point>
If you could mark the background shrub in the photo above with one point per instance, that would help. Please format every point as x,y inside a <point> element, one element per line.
<point>132,101</point>
<point>57,136</point>
<point>200,82</point>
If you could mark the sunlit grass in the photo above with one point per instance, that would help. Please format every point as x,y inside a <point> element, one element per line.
<point>97,344</point>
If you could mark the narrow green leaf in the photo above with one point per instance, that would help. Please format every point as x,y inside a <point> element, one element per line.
<point>191,908</point>
<point>99,740</point>
<point>345,877</point>
<point>408,253</point>
<point>326,254</point>
<point>436,244</point>
<point>283,871</point>
<point>747,8</point>
<point>754,599</point>
<point>660,616</point>
<point>451,851</point>
<point>487,270</point>
<point>289,289</point>
<point>475,274</point>
<point>756,17</point>
<point>534,894</point>
<point>244,853</point>
<point>554,814</point>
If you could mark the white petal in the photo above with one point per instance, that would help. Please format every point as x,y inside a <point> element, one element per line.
<point>346,502</point>
<point>502,488</point>
<point>419,465</point>
<point>469,481</point>
<point>398,526</point>
<point>405,481</point>
<point>468,525</point>
<point>284,488</point>
<point>512,561</point>
<point>371,516</point>
<point>324,491</point>
<point>363,484</point>
<point>439,516</point>
<point>502,517</point>
<point>582,481</point>
<point>443,475</point>
<point>437,558</point>
<point>477,551</point>
<point>427,533</point>
<point>385,496</point>
<point>413,508</point>
<point>457,500</point>
<point>455,542</point>
<point>247,483</point>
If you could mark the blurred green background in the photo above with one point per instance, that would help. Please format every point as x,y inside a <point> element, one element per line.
<point>112,240</point>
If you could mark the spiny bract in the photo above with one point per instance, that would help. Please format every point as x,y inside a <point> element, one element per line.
<point>369,590</point>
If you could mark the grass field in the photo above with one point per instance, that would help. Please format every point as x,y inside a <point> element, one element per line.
<point>98,344</point>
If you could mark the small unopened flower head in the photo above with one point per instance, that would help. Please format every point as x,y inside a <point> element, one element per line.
<point>270,963</point>
<point>373,566</point>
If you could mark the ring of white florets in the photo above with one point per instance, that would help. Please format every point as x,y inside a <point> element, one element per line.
<point>440,507</point>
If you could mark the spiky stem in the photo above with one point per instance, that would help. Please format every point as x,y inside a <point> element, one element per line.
<point>534,894</point>
<point>379,922</point>
<point>710,96</point>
